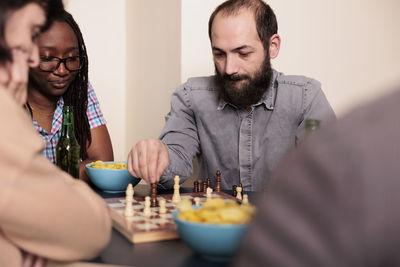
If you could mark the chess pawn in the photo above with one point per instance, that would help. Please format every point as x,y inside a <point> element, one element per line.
<point>146,210</point>
<point>245,200</point>
<point>208,181</point>
<point>162,204</point>
<point>234,193</point>
<point>129,212</point>
<point>239,193</point>
<point>197,201</point>
<point>209,192</point>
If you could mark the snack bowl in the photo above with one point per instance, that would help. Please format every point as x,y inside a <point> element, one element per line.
<point>217,242</point>
<point>111,180</point>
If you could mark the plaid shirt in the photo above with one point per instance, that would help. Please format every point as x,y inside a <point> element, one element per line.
<point>95,117</point>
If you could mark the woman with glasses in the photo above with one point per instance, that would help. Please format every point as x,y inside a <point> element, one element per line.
<point>62,79</point>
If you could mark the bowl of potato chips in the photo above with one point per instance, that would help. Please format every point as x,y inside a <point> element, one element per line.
<point>215,229</point>
<point>110,176</point>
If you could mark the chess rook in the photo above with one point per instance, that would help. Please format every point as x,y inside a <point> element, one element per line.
<point>200,187</point>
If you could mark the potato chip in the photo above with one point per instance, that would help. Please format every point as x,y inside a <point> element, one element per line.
<point>218,211</point>
<point>109,166</point>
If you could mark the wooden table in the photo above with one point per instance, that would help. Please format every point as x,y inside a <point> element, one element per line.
<point>164,253</point>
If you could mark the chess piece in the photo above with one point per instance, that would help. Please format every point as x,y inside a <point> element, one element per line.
<point>195,186</point>
<point>200,187</point>
<point>218,186</point>
<point>176,198</point>
<point>209,192</point>
<point>234,193</point>
<point>129,212</point>
<point>245,200</point>
<point>197,201</point>
<point>208,181</point>
<point>146,210</point>
<point>162,204</point>
<point>239,192</point>
<point>153,196</point>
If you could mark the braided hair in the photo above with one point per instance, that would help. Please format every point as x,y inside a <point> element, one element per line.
<point>76,95</point>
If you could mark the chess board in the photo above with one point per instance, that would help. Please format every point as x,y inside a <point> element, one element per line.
<point>156,227</point>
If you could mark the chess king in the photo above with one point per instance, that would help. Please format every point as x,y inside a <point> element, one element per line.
<point>243,119</point>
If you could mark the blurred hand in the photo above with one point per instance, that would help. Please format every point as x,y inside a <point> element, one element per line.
<point>30,260</point>
<point>14,76</point>
<point>148,159</point>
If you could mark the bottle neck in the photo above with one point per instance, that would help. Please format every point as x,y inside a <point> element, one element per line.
<point>67,128</point>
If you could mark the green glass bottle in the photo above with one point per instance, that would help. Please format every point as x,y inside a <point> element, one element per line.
<point>67,149</point>
<point>312,125</point>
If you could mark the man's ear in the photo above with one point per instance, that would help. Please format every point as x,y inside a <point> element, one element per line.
<point>274,45</point>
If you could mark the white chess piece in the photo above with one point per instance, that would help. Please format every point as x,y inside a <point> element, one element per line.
<point>239,193</point>
<point>209,192</point>
<point>197,201</point>
<point>245,200</point>
<point>129,212</point>
<point>146,210</point>
<point>162,204</point>
<point>176,198</point>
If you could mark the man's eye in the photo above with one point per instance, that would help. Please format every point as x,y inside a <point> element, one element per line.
<point>244,54</point>
<point>218,54</point>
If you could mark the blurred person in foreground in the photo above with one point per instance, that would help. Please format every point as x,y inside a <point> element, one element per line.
<point>44,213</point>
<point>333,201</point>
<point>240,121</point>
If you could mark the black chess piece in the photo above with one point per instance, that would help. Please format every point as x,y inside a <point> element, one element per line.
<point>153,196</point>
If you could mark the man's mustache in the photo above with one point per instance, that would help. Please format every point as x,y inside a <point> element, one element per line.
<point>235,77</point>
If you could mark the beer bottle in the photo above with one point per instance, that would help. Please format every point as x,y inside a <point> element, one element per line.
<point>67,149</point>
<point>311,126</point>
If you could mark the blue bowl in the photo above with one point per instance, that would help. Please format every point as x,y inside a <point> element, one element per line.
<point>212,241</point>
<point>111,181</point>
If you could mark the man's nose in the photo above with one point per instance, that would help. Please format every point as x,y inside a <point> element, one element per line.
<point>231,65</point>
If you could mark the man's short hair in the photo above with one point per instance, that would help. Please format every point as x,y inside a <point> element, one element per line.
<point>265,17</point>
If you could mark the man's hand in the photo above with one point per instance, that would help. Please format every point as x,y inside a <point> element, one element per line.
<point>148,159</point>
<point>14,76</point>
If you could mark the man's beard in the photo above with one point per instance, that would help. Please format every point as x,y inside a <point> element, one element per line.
<point>250,91</point>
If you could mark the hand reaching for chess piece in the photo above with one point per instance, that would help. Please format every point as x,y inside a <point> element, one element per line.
<point>148,159</point>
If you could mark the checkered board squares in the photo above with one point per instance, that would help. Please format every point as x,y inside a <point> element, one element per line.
<point>156,227</point>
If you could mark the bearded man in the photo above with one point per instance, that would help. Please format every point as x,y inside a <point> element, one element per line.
<point>240,121</point>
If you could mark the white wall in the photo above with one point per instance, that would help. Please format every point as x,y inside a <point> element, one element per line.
<point>352,47</point>
<point>103,25</point>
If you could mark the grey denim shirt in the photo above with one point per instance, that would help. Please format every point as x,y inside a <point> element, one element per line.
<point>245,146</point>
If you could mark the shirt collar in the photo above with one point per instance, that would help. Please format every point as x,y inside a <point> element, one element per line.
<point>268,98</point>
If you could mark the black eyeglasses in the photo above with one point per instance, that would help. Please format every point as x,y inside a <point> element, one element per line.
<point>50,64</point>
